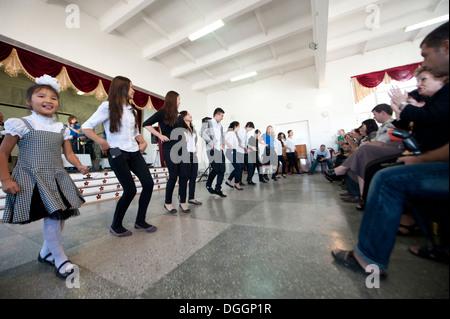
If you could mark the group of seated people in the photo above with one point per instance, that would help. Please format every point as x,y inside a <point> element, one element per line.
<point>375,167</point>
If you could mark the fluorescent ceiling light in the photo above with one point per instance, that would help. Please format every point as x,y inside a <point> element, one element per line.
<point>248,75</point>
<point>208,29</point>
<point>426,23</point>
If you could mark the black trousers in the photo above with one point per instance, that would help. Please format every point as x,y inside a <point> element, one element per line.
<point>217,162</point>
<point>283,165</point>
<point>176,171</point>
<point>253,163</point>
<point>122,166</point>
<point>191,171</point>
<point>292,159</point>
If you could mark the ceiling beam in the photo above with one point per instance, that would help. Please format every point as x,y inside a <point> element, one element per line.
<point>121,13</point>
<point>249,44</point>
<point>231,11</point>
<point>320,36</point>
<point>259,67</point>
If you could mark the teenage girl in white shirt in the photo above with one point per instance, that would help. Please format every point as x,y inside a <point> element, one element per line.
<point>124,147</point>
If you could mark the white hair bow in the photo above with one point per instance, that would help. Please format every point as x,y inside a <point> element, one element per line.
<point>50,81</point>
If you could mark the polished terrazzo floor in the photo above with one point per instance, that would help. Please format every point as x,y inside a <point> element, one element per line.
<point>270,241</point>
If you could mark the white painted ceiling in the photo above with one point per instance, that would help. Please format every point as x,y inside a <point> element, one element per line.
<point>271,37</point>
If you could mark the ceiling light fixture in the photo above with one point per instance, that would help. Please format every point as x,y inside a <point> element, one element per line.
<point>426,23</point>
<point>313,46</point>
<point>245,76</point>
<point>208,29</point>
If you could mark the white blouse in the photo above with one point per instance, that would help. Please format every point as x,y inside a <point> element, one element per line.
<point>191,142</point>
<point>125,138</point>
<point>231,138</point>
<point>16,127</point>
<point>278,147</point>
<point>290,143</point>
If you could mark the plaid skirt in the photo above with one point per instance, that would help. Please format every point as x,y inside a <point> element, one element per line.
<point>45,188</point>
<point>41,195</point>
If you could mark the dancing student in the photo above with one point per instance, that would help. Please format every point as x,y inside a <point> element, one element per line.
<point>243,147</point>
<point>174,148</point>
<point>232,143</point>
<point>279,145</point>
<point>290,153</point>
<point>192,165</point>
<point>253,157</point>
<point>39,187</point>
<point>270,157</point>
<point>212,133</point>
<point>124,147</point>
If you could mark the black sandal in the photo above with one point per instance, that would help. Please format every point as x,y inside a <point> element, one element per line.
<point>44,260</point>
<point>431,254</point>
<point>66,274</point>
<point>411,230</point>
<point>347,259</point>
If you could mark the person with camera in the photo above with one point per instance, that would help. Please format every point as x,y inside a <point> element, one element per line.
<point>322,155</point>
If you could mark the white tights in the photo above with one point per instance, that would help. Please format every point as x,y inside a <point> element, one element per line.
<point>53,242</point>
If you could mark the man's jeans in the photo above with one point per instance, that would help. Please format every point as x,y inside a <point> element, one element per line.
<point>388,191</point>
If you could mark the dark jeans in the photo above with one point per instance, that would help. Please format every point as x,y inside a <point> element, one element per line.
<point>236,160</point>
<point>283,165</point>
<point>252,164</point>
<point>389,190</point>
<point>217,162</point>
<point>176,170</point>
<point>191,170</point>
<point>122,166</point>
<point>292,159</point>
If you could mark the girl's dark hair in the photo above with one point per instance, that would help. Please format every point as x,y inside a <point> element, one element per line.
<point>182,116</point>
<point>279,138</point>
<point>118,95</point>
<point>233,125</point>
<point>371,126</point>
<point>32,89</point>
<point>170,108</point>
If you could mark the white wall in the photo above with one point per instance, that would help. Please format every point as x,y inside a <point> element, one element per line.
<point>42,26</point>
<point>327,110</point>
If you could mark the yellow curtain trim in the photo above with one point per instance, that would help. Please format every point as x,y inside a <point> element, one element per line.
<point>13,66</point>
<point>360,91</point>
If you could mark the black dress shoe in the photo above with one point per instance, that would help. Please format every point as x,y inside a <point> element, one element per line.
<point>210,190</point>
<point>251,183</point>
<point>220,193</point>
<point>186,211</point>
<point>332,177</point>
<point>242,184</point>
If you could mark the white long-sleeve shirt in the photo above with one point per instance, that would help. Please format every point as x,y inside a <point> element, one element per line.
<point>125,138</point>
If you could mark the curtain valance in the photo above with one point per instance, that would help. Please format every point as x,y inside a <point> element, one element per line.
<point>16,60</point>
<point>365,84</point>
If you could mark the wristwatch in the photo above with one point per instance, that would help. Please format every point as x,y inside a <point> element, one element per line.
<point>402,105</point>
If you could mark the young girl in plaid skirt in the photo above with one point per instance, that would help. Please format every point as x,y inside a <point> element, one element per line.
<point>39,187</point>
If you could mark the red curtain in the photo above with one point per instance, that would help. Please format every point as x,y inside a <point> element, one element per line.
<point>37,65</point>
<point>401,73</point>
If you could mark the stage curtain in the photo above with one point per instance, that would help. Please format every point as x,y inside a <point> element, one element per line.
<point>366,84</point>
<point>16,60</point>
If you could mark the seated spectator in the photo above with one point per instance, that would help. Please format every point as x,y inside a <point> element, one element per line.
<point>321,155</point>
<point>341,155</point>
<point>379,147</point>
<point>425,177</point>
<point>368,130</point>
<point>340,139</point>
